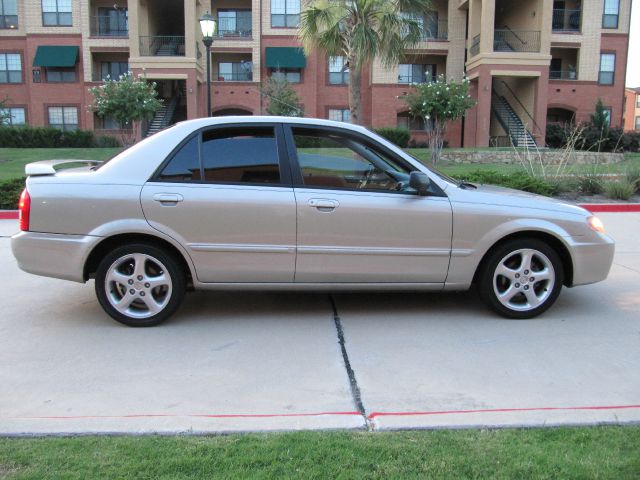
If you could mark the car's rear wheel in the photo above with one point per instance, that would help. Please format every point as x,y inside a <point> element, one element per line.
<point>140,285</point>
<point>521,278</point>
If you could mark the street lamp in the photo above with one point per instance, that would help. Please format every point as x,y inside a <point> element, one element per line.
<point>208,27</point>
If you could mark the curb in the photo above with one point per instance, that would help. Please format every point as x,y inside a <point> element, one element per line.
<point>592,207</point>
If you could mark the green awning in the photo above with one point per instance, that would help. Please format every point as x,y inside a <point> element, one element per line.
<point>285,57</point>
<point>56,56</point>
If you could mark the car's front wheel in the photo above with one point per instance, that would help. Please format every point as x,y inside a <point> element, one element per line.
<point>140,285</point>
<point>521,278</point>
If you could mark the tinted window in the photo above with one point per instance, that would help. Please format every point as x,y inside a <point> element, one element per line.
<point>337,161</point>
<point>184,166</point>
<point>240,155</point>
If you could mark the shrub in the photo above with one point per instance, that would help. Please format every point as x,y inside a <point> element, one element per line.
<point>633,177</point>
<point>556,135</point>
<point>399,136</point>
<point>10,191</point>
<point>619,189</point>
<point>105,141</point>
<point>518,181</point>
<point>45,137</point>
<point>590,184</point>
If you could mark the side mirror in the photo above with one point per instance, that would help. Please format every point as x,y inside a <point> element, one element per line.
<point>420,182</point>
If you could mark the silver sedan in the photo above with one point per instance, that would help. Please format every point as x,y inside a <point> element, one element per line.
<point>294,204</point>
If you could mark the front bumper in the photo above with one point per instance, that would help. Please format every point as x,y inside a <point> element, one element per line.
<point>592,260</point>
<point>53,255</point>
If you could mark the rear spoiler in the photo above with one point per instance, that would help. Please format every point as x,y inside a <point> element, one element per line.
<point>46,167</point>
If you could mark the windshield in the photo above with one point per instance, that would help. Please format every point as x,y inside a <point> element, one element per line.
<point>443,176</point>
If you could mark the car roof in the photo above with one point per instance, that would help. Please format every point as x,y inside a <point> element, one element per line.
<point>235,119</point>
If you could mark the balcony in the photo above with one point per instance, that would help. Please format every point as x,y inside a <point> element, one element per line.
<point>162,46</point>
<point>563,75</point>
<point>436,30</point>
<point>507,40</point>
<point>234,24</point>
<point>232,68</point>
<point>565,20</point>
<point>109,26</point>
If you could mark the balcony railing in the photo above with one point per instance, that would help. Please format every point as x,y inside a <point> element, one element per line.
<point>563,75</point>
<point>474,49</point>
<point>235,77</point>
<point>162,46</point>
<point>436,30</point>
<point>233,33</point>
<point>507,40</point>
<point>109,26</point>
<point>565,20</point>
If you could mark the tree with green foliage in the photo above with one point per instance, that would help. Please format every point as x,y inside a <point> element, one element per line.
<point>128,100</point>
<point>438,103</point>
<point>360,31</point>
<point>5,114</point>
<point>283,99</point>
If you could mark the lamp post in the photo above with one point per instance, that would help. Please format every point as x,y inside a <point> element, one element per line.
<point>208,27</point>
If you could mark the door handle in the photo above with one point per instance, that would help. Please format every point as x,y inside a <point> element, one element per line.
<point>323,204</point>
<point>168,198</point>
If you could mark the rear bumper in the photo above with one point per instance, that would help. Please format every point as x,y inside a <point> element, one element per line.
<point>53,255</point>
<point>592,261</point>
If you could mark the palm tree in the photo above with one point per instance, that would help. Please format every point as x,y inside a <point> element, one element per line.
<point>361,30</point>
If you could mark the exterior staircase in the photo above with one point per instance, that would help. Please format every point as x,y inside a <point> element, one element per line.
<point>163,117</point>
<point>510,121</point>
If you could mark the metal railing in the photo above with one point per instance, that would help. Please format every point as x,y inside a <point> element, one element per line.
<point>234,33</point>
<point>235,77</point>
<point>162,46</point>
<point>565,20</point>
<point>436,30</point>
<point>507,40</point>
<point>109,26</point>
<point>502,89</point>
<point>416,78</point>
<point>563,75</point>
<point>474,49</point>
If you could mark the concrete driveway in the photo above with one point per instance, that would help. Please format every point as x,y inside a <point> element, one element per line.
<point>256,361</point>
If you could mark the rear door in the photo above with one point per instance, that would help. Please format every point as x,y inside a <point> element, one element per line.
<point>358,220</point>
<point>226,195</point>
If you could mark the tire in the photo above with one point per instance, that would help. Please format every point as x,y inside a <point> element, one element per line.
<point>505,287</point>
<point>140,285</point>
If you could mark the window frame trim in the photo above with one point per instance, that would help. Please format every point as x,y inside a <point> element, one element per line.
<point>57,12</point>
<point>283,162</point>
<point>612,72</point>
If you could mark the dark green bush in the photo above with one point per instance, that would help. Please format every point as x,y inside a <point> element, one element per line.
<point>590,184</point>
<point>593,139</point>
<point>10,191</point>
<point>45,137</point>
<point>621,189</point>
<point>105,141</point>
<point>399,136</point>
<point>556,135</point>
<point>518,181</point>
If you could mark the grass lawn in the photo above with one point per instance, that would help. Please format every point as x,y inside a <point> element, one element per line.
<point>567,453</point>
<point>13,160</point>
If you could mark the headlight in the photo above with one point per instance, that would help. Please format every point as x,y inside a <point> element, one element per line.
<point>595,224</point>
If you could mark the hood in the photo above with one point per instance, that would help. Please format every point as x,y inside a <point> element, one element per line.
<point>493,195</point>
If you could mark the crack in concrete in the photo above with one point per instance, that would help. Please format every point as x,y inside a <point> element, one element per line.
<point>353,382</point>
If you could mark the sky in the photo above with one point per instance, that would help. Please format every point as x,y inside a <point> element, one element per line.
<point>633,63</point>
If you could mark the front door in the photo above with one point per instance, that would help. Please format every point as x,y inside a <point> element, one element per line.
<point>358,219</point>
<point>225,196</point>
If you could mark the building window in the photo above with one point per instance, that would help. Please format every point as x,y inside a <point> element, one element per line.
<point>234,23</point>
<point>291,75</point>
<point>60,74</point>
<point>611,13</point>
<point>285,13</point>
<point>637,123</point>
<point>637,101</point>
<point>56,13</point>
<point>12,116</point>
<point>607,68</point>
<point>112,22</point>
<point>416,73</point>
<point>338,71</point>
<point>340,115</point>
<point>9,14</point>
<point>10,68</point>
<point>64,118</point>
<point>113,70</point>
<point>405,120</point>
<point>235,71</point>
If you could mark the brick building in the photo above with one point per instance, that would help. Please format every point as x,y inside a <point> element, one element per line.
<point>632,109</point>
<point>530,62</point>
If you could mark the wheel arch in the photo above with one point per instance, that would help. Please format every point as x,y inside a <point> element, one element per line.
<point>553,241</point>
<point>106,245</point>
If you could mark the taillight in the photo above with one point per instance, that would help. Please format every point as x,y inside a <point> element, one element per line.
<point>24,205</point>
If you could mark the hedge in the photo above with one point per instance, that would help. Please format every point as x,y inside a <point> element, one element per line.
<point>46,137</point>
<point>399,136</point>
<point>10,191</point>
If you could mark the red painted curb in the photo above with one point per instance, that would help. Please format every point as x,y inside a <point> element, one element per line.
<point>498,410</point>
<point>612,207</point>
<point>9,215</point>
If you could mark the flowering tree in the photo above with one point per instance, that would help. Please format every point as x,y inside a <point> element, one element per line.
<point>283,99</point>
<point>438,103</point>
<point>127,100</point>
